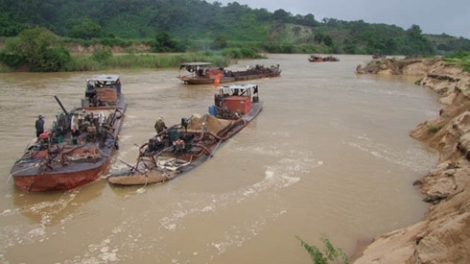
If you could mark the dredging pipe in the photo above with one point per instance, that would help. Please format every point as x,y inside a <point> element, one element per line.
<point>61,105</point>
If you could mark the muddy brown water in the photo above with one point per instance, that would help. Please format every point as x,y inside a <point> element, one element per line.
<point>328,155</point>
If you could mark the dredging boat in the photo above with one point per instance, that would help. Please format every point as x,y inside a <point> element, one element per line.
<point>186,145</point>
<point>316,58</point>
<point>80,144</point>
<point>203,73</point>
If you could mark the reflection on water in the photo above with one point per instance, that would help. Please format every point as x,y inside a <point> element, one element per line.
<point>329,154</point>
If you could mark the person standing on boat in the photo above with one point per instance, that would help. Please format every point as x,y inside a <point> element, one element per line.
<point>75,135</point>
<point>118,86</point>
<point>39,125</point>
<point>160,125</point>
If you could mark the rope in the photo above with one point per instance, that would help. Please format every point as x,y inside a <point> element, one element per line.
<point>11,174</point>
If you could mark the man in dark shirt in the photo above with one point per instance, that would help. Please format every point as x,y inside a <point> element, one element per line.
<point>40,125</point>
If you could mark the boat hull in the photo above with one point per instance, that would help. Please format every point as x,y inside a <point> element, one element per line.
<point>204,80</point>
<point>161,174</point>
<point>207,80</point>
<point>32,174</point>
<point>49,182</point>
<point>139,179</point>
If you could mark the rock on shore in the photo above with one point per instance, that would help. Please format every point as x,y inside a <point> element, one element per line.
<point>443,236</point>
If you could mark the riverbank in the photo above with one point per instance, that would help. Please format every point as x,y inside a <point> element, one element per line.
<point>443,236</point>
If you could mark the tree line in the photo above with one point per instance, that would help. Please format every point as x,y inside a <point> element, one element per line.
<point>188,25</point>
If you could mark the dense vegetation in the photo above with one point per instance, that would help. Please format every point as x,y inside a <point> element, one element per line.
<point>460,58</point>
<point>38,50</point>
<point>194,25</point>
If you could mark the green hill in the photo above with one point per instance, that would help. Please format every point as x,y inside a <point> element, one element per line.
<point>197,24</point>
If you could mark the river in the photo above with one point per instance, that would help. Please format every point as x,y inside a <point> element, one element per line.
<point>329,155</point>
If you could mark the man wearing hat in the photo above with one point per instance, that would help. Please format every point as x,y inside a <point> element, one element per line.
<point>160,125</point>
<point>39,125</point>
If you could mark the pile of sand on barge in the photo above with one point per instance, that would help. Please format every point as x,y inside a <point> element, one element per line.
<point>212,123</point>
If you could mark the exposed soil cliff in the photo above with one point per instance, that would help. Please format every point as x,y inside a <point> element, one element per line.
<point>443,236</point>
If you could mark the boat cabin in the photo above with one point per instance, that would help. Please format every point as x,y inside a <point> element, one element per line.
<point>102,90</point>
<point>237,98</point>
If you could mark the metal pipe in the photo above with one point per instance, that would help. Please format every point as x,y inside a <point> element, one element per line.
<point>61,106</point>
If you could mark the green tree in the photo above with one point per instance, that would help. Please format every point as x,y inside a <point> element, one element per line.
<point>349,46</point>
<point>391,46</point>
<point>32,44</point>
<point>220,42</point>
<point>328,40</point>
<point>8,26</point>
<point>102,53</point>
<point>414,32</point>
<point>85,29</point>
<point>164,43</point>
<point>281,15</point>
<point>55,59</point>
<point>318,38</point>
<point>309,20</point>
<point>35,47</point>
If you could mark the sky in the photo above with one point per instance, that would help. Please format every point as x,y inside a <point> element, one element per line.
<point>451,17</point>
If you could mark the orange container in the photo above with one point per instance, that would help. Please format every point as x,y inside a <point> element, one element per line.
<point>238,103</point>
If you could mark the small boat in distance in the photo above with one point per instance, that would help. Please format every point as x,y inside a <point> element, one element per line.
<point>203,73</point>
<point>315,58</point>
<point>186,145</point>
<point>62,158</point>
<point>377,55</point>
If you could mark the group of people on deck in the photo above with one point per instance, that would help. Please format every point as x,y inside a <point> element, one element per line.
<point>40,129</point>
<point>39,124</point>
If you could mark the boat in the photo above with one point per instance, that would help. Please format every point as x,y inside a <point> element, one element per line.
<point>63,159</point>
<point>316,58</point>
<point>188,144</point>
<point>203,73</point>
<point>376,55</point>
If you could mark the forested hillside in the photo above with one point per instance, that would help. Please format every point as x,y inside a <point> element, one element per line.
<point>197,24</point>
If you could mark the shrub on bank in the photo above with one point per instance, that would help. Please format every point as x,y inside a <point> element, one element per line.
<point>330,254</point>
<point>39,50</point>
<point>461,58</point>
<point>143,61</point>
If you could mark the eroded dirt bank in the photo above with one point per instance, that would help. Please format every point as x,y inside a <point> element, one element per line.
<point>443,236</point>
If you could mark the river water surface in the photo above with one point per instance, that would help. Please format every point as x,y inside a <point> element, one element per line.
<point>329,155</point>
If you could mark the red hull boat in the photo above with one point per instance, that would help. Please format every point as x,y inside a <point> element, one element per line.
<point>202,73</point>
<point>315,58</point>
<point>59,160</point>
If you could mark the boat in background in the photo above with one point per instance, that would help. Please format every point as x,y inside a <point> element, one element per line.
<point>188,144</point>
<point>315,58</point>
<point>377,55</point>
<point>61,160</point>
<point>203,73</point>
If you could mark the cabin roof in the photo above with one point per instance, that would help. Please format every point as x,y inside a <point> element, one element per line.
<point>238,86</point>
<point>104,78</point>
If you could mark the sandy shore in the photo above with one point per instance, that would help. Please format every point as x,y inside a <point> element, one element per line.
<point>443,236</point>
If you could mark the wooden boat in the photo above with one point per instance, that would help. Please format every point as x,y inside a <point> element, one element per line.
<point>315,58</point>
<point>58,160</point>
<point>202,73</point>
<point>184,146</point>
